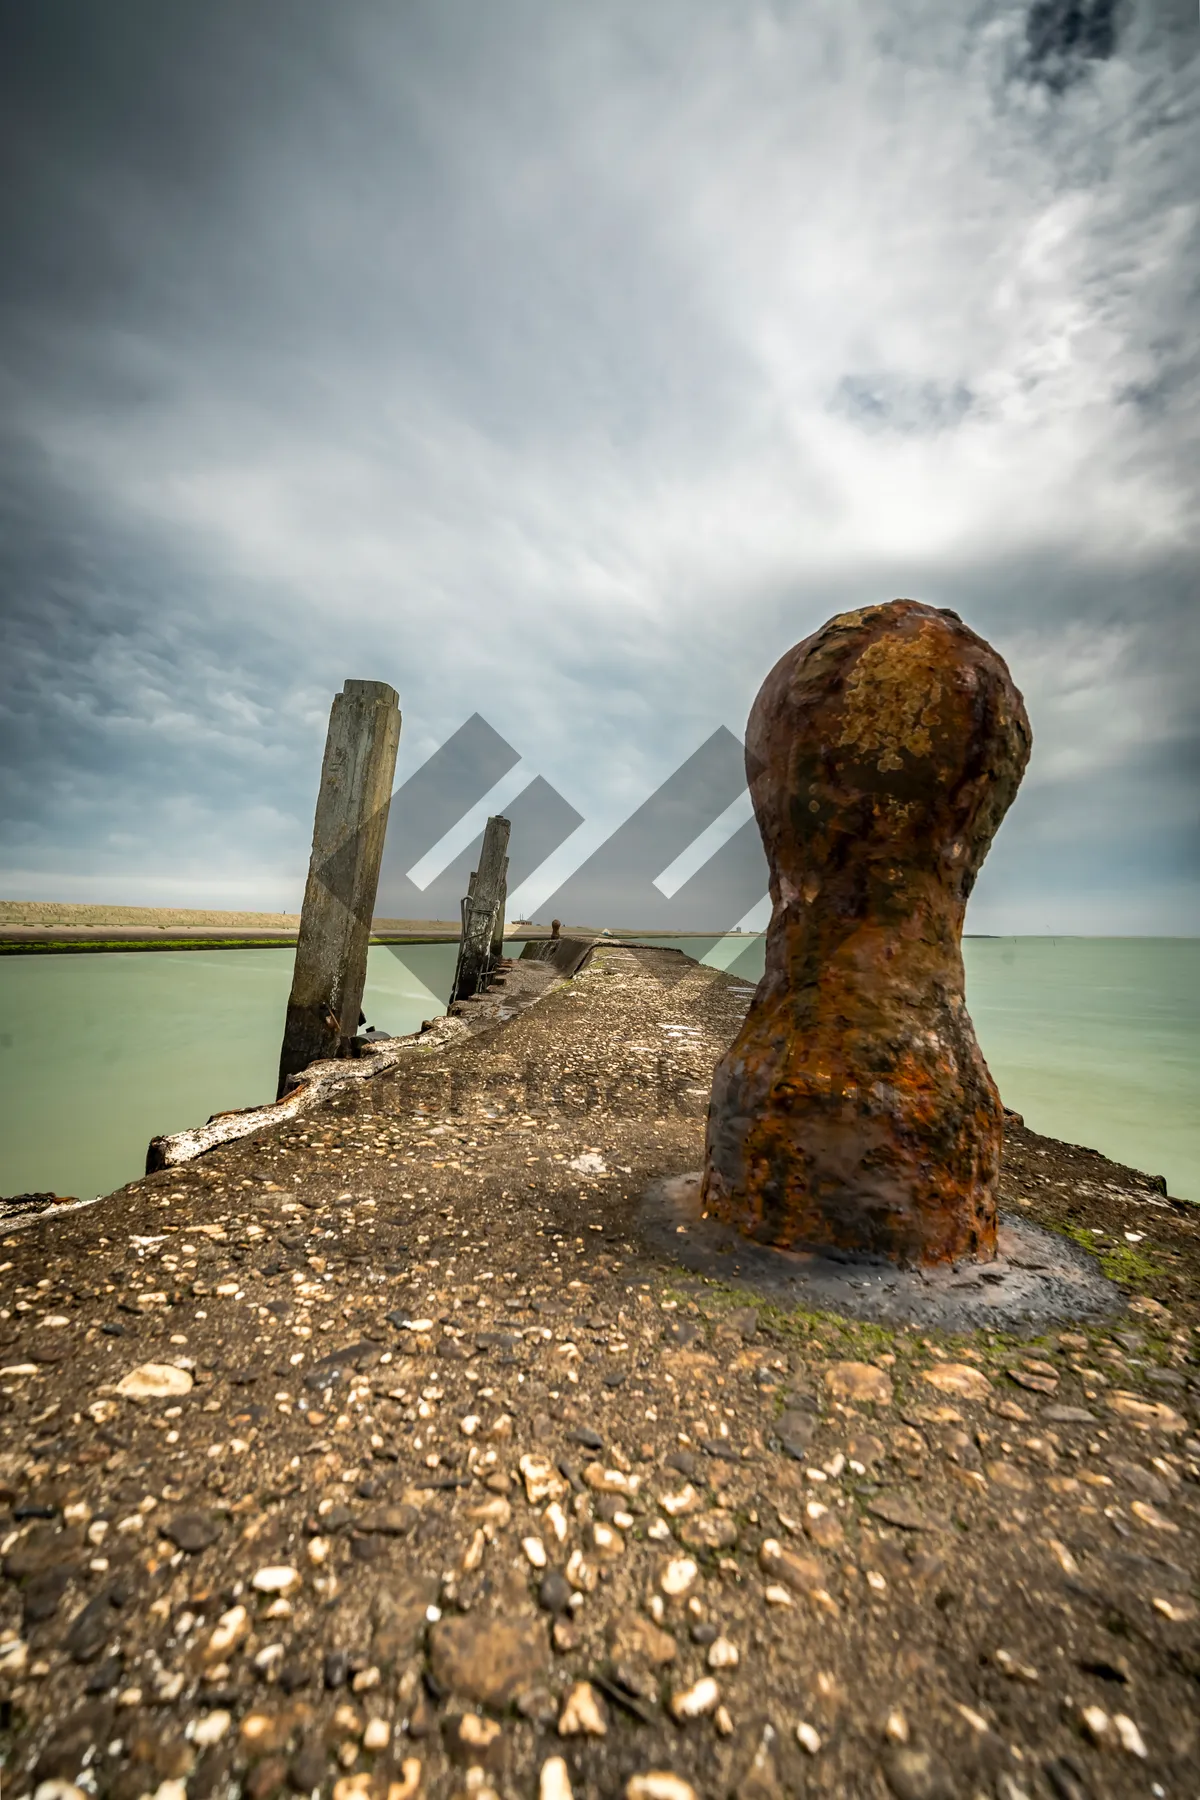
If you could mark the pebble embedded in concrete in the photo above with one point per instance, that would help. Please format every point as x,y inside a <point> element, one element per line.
<point>726,1515</point>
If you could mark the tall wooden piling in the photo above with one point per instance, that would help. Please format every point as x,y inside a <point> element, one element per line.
<point>343,875</point>
<point>483,913</point>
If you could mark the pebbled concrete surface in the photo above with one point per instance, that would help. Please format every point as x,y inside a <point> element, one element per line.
<point>308,1447</point>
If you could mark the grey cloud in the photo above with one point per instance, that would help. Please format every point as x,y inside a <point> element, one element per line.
<point>565,366</point>
<point>1063,36</point>
<point>891,402</point>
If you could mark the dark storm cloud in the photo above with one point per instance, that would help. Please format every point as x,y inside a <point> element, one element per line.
<point>1063,36</point>
<point>136,711</point>
<point>566,365</point>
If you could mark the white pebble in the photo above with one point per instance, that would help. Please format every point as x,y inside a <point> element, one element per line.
<point>541,1478</point>
<point>535,1550</point>
<point>1128,1735</point>
<point>896,1727</point>
<point>154,1381</point>
<point>685,1501</point>
<point>722,1654</point>
<point>410,1780</point>
<point>1178,1615</point>
<point>581,1573</point>
<point>276,1579</point>
<point>678,1576</point>
<point>1008,1665</point>
<point>975,1720</point>
<point>211,1729</point>
<point>228,1631</point>
<point>1096,1723</point>
<point>659,1784</point>
<point>476,1732</point>
<point>808,1737</point>
<point>556,1519</point>
<point>554,1783</point>
<point>694,1702</point>
<point>582,1715</point>
<point>378,1735</point>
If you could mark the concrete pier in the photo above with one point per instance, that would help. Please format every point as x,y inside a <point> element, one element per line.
<point>426,1435</point>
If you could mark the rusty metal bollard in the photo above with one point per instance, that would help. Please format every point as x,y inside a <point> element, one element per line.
<point>855,1111</point>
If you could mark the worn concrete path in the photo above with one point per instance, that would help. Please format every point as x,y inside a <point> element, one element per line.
<point>439,1475</point>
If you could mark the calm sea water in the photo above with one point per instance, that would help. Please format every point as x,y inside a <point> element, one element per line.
<point>99,1053</point>
<point>1095,1040</point>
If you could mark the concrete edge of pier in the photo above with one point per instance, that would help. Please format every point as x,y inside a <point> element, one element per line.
<point>514,987</point>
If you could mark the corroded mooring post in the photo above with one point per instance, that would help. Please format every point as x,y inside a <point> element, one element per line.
<point>854,1110</point>
<point>482,937</point>
<point>343,876</point>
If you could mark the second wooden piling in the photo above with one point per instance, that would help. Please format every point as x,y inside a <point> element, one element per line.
<point>483,914</point>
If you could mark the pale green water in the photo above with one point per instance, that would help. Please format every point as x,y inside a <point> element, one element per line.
<point>100,1053</point>
<point>1095,1040</point>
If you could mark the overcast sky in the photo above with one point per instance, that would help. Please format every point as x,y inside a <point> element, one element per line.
<point>567,364</point>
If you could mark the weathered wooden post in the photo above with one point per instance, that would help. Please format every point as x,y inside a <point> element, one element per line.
<point>343,875</point>
<point>497,945</point>
<point>483,913</point>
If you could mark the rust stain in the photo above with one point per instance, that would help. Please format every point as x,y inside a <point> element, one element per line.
<point>855,1110</point>
<point>891,699</point>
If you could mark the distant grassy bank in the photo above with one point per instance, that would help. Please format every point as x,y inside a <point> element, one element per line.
<point>66,916</point>
<point>52,927</point>
<point>52,946</point>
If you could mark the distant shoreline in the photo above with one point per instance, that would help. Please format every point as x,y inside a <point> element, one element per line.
<point>61,915</point>
<point>41,927</point>
<point>38,927</point>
